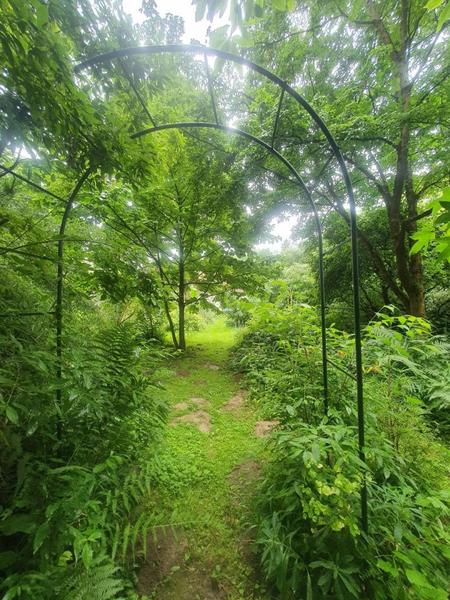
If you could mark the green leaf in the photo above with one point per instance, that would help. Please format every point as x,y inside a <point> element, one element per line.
<point>309,592</point>
<point>416,578</point>
<point>12,414</point>
<point>18,523</point>
<point>443,17</point>
<point>387,567</point>
<point>86,555</point>
<point>41,15</point>
<point>315,452</point>
<point>432,4</point>
<point>40,535</point>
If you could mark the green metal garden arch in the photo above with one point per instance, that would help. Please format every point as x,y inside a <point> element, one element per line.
<point>285,89</point>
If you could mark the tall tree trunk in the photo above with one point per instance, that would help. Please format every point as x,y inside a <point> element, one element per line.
<point>410,267</point>
<point>402,223</point>
<point>171,324</point>
<point>181,305</point>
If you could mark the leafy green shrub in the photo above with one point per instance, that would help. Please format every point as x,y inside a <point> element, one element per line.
<point>279,356</point>
<point>411,364</point>
<point>70,502</point>
<point>308,515</point>
<point>309,525</point>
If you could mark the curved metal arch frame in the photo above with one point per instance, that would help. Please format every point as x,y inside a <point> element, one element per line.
<point>285,88</point>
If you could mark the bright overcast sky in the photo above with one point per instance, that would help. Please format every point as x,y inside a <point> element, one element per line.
<point>183,8</point>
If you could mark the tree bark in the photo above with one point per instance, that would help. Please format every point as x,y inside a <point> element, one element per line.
<point>171,324</point>
<point>181,305</point>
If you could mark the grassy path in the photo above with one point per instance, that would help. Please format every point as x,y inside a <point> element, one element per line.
<point>209,477</point>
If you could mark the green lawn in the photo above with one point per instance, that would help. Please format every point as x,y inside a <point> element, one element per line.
<point>207,479</point>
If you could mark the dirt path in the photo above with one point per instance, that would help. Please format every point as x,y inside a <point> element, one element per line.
<point>200,548</point>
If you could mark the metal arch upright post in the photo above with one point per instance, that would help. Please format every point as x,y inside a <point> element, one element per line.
<point>59,295</point>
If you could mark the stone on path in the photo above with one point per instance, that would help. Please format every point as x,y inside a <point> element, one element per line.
<point>212,367</point>
<point>198,402</point>
<point>263,428</point>
<point>198,418</point>
<point>235,402</point>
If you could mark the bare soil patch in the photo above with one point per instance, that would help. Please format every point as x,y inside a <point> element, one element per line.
<point>235,402</point>
<point>245,473</point>
<point>198,418</point>
<point>166,572</point>
<point>182,372</point>
<point>263,428</point>
<point>165,550</point>
<point>180,406</point>
<point>199,402</point>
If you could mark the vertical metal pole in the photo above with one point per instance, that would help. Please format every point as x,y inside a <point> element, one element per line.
<point>322,316</point>
<point>59,297</point>
<point>358,347</point>
<point>357,322</point>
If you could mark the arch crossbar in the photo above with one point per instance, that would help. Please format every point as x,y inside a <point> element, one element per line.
<point>286,89</point>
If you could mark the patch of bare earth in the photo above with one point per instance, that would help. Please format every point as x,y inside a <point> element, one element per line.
<point>200,402</point>
<point>182,372</point>
<point>263,428</point>
<point>199,418</point>
<point>166,573</point>
<point>244,474</point>
<point>235,402</point>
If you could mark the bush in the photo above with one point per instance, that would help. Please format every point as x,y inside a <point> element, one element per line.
<point>308,518</point>
<point>73,476</point>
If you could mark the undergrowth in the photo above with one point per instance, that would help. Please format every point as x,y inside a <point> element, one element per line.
<point>73,479</point>
<point>308,516</point>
